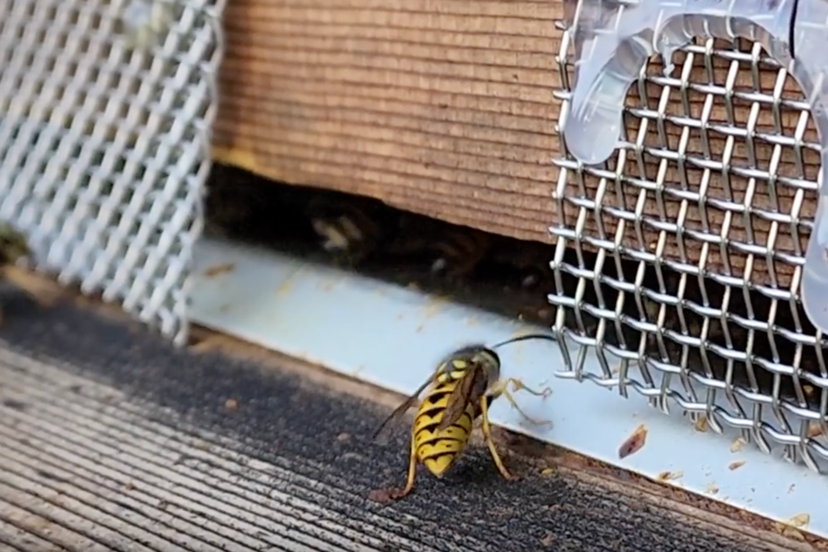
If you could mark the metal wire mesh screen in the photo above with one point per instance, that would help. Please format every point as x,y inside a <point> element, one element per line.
<point>678,262</point>
<point>105,113</point>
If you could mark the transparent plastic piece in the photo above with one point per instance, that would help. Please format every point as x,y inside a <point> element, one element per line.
<point>614,39</point>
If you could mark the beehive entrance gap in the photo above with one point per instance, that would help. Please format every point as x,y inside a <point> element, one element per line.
<point>502,275</point>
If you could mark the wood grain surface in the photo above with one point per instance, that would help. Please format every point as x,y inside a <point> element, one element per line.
<point>230,447</point>
<point>439,107</point>
<point>446,108</point>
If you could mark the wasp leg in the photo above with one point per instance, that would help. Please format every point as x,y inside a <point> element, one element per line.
<point>412,471</point>
<point>518,385</point>
<point>500,388</point>
<point>487,436</point>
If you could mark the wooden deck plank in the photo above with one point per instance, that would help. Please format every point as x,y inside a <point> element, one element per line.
<point>113,438</point>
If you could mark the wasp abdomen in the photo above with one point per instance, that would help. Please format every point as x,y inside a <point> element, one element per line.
<point>436,450</point>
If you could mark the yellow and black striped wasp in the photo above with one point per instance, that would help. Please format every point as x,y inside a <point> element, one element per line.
<point>459,391</point>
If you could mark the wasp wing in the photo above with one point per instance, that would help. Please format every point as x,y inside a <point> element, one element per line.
<point>379,436</point>
<point>469,389</point>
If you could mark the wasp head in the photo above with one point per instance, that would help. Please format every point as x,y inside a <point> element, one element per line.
<point>482,356</point>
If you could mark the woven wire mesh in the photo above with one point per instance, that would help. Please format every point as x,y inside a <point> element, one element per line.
<point>678,261</point>
<point>105,116</point>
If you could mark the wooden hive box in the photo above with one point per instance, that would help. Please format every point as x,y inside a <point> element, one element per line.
<point>440,107</point>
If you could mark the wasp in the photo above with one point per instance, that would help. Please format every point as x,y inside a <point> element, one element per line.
<point>459,391</point>
<point>348,231</point>
<point>527,260</point>
<point>454,251</point>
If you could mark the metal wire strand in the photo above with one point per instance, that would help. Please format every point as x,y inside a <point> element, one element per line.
<point>678,261</point>
<point>105,117</point>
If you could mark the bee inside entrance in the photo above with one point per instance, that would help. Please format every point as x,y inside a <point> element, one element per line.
<point>498,274</point>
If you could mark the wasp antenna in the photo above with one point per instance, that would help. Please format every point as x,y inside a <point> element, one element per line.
<point>792,27</point>
<point>523,338</point>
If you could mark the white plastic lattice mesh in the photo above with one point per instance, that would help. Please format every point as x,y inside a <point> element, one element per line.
<point>105,115</point>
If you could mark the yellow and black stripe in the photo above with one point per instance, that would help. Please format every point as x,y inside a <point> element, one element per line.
<point>459,391</point>
<point>436,449</point>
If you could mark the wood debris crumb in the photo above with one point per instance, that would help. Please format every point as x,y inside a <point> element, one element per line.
<point>231,404</point>
<point>790,528</point>
<point>800,520</point>
<point>547,471</point>
<point>701,423</point>
<point>737,445</point>
<point>814,429</point>
<point>634,442</point>
<point>383,496</point>
<point>735,465</point>
<point>215,270</point>
<point>670,475</point>
<point>792,533</point>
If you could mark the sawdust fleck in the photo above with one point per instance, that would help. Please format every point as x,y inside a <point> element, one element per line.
<point>737,445</point>
<point>215,270</point>
<point>284,288</point>
<point>670,475</point>
<point>800,520</point>
<point>790,527</point>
